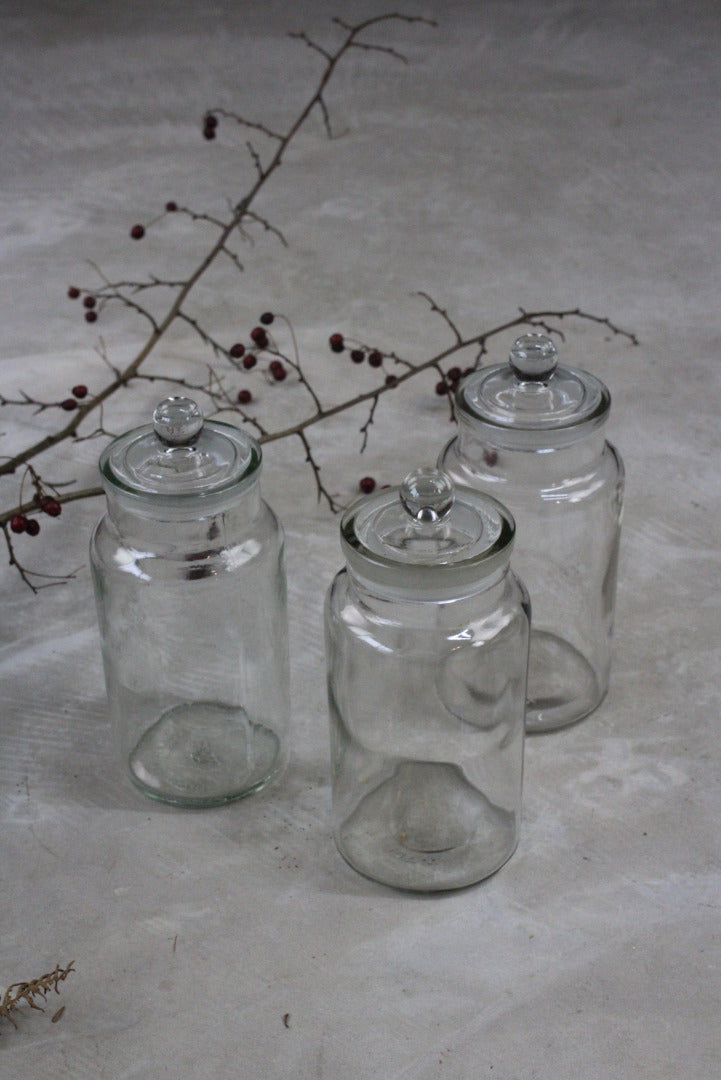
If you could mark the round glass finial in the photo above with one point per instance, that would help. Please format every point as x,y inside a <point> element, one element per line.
<point>533,357</point>
<point>177,421</point>
<point>427,495</point>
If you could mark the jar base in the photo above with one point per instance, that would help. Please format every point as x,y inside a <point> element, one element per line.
<point>427,829</point>
<point>204,754</point>
<point>562,686</point>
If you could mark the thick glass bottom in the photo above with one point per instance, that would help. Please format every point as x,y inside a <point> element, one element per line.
<point>562,685</point>
<point>204,754</point>
<point>427,829</point>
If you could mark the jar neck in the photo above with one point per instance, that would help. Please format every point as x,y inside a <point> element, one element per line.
<point>477,442</point>
<point>190,518</point>
<point>372,590</point>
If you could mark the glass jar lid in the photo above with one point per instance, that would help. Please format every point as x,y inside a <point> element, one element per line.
<point>180,456</point>
<point>533,394</point>
<point>427,535</point>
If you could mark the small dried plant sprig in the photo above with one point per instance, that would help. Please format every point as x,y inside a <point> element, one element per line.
<point>31,993</point>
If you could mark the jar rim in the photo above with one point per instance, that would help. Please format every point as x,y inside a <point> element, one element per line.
<point>463,569</point>
<point>556,411</point>
<point>231,462</point>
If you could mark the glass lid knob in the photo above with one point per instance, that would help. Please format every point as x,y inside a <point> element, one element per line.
<point>427,495</point>
<point>533,357</point>
<point>177,421</point>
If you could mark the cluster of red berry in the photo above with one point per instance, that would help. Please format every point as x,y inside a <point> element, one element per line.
<point>248,355</point>
<point>90,303</point>
<point>359,355</point>
<point>337,345</point>
<point>449,384</point>
<point>79,392</point>
<point>21,523</point>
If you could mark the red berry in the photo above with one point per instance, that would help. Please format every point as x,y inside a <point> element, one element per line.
<point>336,342</point>
<point>244,397</point>
<point>267,318</point>
<point>259,336</point>
<point>137,232</point>
<point>441,388</point>
<point>69,404</point>
<point>454,375</point>
<point>367,485</point>
<point>391,380</point>
<point>51,506</point>
<point>357,356</point>
<point>375,359</point>
<point>89,302</point>
<point>171,206</point>
<point>91,316</point>
<point>249,361</point>
<point>237,350</point>
<point>490,457</point>
<point>73,292</point>
<point>277,370</point>
<point>210,123</point>
<point>18,523</point>
<point>32,527</point>
<point>80,391</point>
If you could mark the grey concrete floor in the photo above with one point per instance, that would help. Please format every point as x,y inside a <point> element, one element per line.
<point>539,154</point>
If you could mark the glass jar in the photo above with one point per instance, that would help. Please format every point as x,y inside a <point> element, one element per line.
<point>188,568</point>
<point>531,432</point>
<point>427,650</point>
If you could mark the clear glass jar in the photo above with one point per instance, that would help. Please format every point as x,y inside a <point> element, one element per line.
<point>188,567</point>
<point>427,636</point>
<point>531,432</point>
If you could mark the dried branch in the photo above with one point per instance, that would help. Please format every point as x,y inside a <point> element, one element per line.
<point>241,211</point>
<point>322,491</point>
<point>250,124</point>
<point>267,354</point>
<point>365,428</point>
<point>444,315</point>
<point>524,319</point>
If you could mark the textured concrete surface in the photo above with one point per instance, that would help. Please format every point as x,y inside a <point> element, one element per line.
<point>537,154</point>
